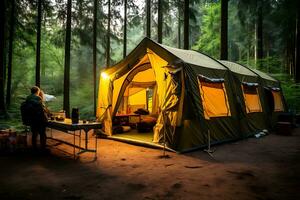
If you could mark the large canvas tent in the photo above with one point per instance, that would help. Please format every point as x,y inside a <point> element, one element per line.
<point>268,90</point>
<point>188,93</point>
<point>274,100</point>
<point>249,98</point>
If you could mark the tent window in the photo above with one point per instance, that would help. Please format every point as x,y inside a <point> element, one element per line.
<point>214,98</point>
<point>269,99</point>
<point>251,97</point>
<point>136,99</point>
<point>278,104</point>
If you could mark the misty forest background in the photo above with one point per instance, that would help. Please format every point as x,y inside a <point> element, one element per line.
<point>44,44</point>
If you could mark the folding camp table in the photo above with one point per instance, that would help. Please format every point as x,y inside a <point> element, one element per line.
<point>66,126</point>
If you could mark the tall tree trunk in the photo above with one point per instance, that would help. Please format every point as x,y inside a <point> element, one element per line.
<point>179,24</point>
<point>38,46</point>
<point>186,24</point>
<point>224,30</point>
<point>79,21</point>
<point>259,34</point>
<point>267,52</point>
<point>148,18</point>
<point>249,43</point>
<point>159,22</point>
<point>290,55</point>
<point>10,52</point>
<point>108,36</point>
<point>125,30</point>
<point>297,44</point>
<point>95,52</point>
<point>67,60</point>
<point>179,33</point>
<point>2,67</point>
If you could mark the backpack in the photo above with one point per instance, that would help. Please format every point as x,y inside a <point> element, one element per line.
<point>26,109</point>
<point>32,113</point>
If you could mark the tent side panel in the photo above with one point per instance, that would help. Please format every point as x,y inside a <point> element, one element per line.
<point>104,104</point>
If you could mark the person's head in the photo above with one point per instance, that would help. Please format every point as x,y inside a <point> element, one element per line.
<point>35,90</point>
<point>41,94</point>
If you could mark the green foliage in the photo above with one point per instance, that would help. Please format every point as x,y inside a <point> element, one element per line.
<point>82,98</point>
<point>291,91</point>
<point>270,65</point>
<point>209,42</point>
<point>204,36</point>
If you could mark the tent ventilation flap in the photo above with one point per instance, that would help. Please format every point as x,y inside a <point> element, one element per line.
<point>210,80</point>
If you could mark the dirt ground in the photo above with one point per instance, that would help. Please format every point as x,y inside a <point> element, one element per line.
<point>265,168</point>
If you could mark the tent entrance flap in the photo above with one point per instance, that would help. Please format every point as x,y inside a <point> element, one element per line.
<point>214,97</point>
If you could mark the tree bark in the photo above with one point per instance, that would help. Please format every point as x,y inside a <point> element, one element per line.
<point>2,54</point>
<point>66,104</point>
<point>148,18</point>
<point>108,36</point>
<point>10,52</point>
<point>38,46</point>
<point>224,30</point>
<point>79,21</point>
<point>297,49</point>
<point>125,30</point>
<point>159,22</point>
<point>179,24</point>
<point>186,25</point>
<point>259,35</point>
<point>290,54</point>
<point>95,52</point>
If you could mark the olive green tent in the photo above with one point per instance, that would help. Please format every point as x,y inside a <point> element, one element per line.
<point>274,100</point>
<point>249,97</point>
<point>268,89</point>
<point>188,93</point>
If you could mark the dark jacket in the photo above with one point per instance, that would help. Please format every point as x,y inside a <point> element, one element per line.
<point>37,114</point>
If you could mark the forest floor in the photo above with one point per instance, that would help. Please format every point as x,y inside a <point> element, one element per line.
<point>263,168</point>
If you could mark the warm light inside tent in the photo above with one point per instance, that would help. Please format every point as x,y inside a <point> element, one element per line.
<point>251,98</point>
<point>214,99</point>
<point>278,104</point>
<point>104,75</point>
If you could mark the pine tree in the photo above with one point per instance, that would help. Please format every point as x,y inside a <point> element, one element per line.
<point>38,45</point>
<point>186,25</point>
<point>224,29</point>
<point>67,60</point>
<point>10,52</point>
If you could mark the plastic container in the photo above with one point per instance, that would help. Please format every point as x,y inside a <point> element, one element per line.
<point>75,116</point>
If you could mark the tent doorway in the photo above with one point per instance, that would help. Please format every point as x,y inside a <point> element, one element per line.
<point>137,108</point>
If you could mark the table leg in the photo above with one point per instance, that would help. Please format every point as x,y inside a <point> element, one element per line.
<point>96,146</point>
<point>74,144</point>
<point>86,139</point>
<point>80,138</point>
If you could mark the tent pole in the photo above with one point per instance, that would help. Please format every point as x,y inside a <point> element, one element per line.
<point>164,149</point>
<point>164,137</point>
<point>209,150</point>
